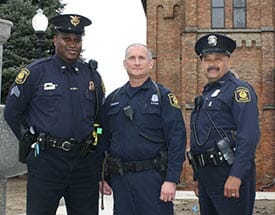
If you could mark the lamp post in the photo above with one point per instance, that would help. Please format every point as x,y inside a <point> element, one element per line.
<point>39,24</point>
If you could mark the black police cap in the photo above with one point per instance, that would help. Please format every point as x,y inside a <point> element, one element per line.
<point>70,23</point>
<point>215,43</point>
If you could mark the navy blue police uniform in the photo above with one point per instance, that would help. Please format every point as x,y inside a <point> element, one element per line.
<point>59,103</point>
<point>226,112</point>
<point>144,125</point>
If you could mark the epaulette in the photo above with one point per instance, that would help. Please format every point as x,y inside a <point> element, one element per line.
<point>39,61</point>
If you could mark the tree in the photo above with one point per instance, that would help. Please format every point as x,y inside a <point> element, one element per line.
<point>20,49</point>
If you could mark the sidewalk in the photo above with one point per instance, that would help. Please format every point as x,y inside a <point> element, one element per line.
<point>108,201</point>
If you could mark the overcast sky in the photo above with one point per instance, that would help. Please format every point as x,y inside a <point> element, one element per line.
<point>115,25</point>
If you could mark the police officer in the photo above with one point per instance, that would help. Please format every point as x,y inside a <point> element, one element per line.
<point>224,133</point>
<point>56,100</point>
<point>145,136</point>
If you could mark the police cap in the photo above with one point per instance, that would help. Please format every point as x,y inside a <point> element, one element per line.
<point>70,23</point>
<point>214,43</point>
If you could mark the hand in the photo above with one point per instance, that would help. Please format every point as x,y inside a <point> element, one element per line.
<point>168,191</point>
<point>232,187</point>
<point>196,188</point>
<point>107,190</point>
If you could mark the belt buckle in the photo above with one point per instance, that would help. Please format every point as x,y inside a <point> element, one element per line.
<point>66,146</point>
<point>130,167</point>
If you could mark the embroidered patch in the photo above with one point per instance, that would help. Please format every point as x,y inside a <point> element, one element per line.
<point>173,100</point>
<point>242,95</point>
<point>22,76</point>
<point>15,91</point>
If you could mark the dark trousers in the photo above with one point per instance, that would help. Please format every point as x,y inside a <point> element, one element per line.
<point>55,174</point>
<point>211,192</point>
<point>138,193</point>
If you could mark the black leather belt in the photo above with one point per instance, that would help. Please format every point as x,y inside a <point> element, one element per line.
<point>46,141</point>
<point>137,166</point>
<point>117,166</point>
<point>65,145</point>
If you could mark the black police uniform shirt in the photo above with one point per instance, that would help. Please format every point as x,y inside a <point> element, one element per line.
<point>156,117</point>
<point>56,99</point>
<point>232,105</point>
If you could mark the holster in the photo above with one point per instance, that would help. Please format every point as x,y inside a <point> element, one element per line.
<point>92,141</point>
<point>25,145</point>
<point>114,166</point>
<point>193,163</point>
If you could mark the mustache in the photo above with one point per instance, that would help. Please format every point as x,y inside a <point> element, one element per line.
<point>213,68</point>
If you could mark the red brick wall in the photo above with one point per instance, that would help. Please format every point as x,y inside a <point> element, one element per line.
<point>172,30</point>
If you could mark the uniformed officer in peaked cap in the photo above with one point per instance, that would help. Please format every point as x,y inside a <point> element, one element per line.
<point>70,23</point>
<point>215,43</point>
<point>52,108</point>
<point>224,133</point>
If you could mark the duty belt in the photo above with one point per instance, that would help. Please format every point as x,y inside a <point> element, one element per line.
<point>119,167</point>
<point>46,141</point>
<point>211,158</point>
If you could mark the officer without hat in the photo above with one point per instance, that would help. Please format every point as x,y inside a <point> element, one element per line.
<point>70,23</point>
<point>214,43</point>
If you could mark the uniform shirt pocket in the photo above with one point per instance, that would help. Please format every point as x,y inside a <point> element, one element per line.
<point>150,118</point>
<point>113,117</point>
<point>212,105</point>
<point>48,99</point>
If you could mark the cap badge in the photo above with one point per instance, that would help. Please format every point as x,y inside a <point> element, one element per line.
<point>75,20</point>
<point>212,40</point>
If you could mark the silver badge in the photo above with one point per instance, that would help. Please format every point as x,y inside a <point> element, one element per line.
<point>154,99</point>
<point>216,93</point>
<point>212,40</point>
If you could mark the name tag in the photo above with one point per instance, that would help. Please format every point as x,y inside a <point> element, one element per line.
<point>49,86</point>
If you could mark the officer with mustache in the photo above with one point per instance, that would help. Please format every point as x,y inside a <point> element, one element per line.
<point>224,133</point>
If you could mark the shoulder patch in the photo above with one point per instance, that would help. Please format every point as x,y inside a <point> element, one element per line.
<point>242,94</point>
<point>22,76</point>
<point>173,100</point>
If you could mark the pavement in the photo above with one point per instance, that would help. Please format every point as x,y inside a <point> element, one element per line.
<point>108,201</point>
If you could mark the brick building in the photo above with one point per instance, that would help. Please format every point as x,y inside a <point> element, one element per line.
<point>173,26</point>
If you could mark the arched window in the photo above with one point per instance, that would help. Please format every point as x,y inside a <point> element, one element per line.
<point>217,13</point>
<point>239,13</point>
